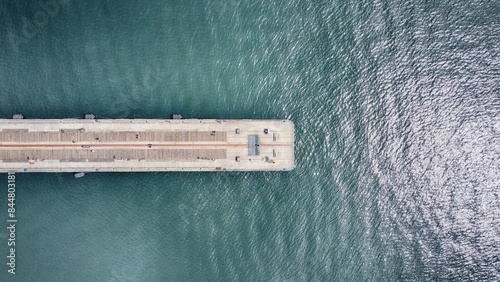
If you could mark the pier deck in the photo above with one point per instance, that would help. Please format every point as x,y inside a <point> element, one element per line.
<point>80,145</point>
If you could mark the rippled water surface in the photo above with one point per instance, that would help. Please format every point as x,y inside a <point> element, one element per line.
<point>396,106</point>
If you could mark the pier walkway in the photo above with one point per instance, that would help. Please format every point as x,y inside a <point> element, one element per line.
<point>82,145</point>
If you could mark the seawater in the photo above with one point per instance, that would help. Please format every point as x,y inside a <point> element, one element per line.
<point>397,112</point>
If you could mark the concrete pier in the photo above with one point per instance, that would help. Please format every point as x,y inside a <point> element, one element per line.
<point>90,145</point>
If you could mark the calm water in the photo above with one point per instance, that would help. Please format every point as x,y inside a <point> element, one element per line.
<point>397,111</point>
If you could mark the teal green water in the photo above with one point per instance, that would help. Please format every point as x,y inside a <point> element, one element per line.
<point>396,106</point>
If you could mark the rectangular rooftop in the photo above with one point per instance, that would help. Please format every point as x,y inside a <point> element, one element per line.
<point>89,145</point>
